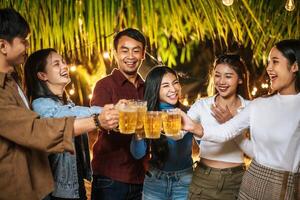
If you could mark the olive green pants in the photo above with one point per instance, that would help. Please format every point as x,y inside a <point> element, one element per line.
<point>215,184</point>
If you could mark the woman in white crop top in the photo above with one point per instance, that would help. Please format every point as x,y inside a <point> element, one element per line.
<point>274,123</point>
<point>221,162</point>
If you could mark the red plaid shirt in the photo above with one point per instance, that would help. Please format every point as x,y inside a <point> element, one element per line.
<point>111,152</point>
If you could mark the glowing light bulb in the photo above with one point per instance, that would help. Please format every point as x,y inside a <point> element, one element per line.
<point>71,92</point>
<point>106,55</point>
<point>90,96</point>
<point>73,68</point>
<point>290,5</point>
<point>227,2</point>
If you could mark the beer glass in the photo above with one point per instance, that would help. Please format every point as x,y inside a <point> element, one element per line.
<point>141,113</point>
<point>152,124</point>
<point>127,118</point>
<point>171,122</point>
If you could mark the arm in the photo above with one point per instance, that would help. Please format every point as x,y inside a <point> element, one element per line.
<point>138,148</point>
<point>24,127</point>
<point>194,114</point>
<point>219,133</point>
<point>245,144</point>
<point>48,107</point>
<point>222,115</point>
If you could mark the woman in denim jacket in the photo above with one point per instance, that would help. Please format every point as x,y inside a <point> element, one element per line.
<point>170,167</point>
<point>46,75</point>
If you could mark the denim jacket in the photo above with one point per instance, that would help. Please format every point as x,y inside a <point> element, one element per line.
<point>64,165</point>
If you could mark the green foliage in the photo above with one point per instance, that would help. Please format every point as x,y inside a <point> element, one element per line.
<point>81,28</point>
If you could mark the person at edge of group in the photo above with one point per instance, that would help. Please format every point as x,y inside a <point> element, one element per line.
<point>219,173</point>
<point>117,175</point>
<point>274,129</point>
<point>25,138</point>
<point>46,76</point>
<point>170,167</point>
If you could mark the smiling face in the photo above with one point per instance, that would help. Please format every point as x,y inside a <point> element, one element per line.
<point>129,55</point>
<point>170,89</point>
<point>226,80</point>
<point>56,74</point>
<point>14,51</point>
<point>281,72</point>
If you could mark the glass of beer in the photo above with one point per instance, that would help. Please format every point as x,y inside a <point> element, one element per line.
<point>141,113</point>
<point>171,122</point>
<point>127,118</point>
<point>152,124</point>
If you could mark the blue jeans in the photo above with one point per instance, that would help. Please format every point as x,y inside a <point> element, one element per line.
<point>105,188</point>
<point>167,185</point>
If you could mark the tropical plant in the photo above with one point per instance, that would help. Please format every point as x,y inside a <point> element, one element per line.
<point>83,29</point>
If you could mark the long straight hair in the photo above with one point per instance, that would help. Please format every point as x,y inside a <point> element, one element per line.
<point>159,147</point>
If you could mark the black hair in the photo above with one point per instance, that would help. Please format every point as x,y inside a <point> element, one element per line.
<point>159,147</point>
<point>35,87</point>
<point>235,62</point>
<point>12,25</point>
<point>132,33</point>
<point>290,49</point>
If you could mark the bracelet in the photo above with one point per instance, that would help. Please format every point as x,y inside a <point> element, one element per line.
<point>97,122</point>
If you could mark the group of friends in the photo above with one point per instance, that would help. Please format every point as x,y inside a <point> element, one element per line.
<point>44,151</point>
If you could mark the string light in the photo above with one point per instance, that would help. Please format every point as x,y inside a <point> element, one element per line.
<point>227,2</point>
<point>264,85</point>
<point>254,90</point>
<point>185,100</point>
<point>71,91</point>
<point>106,55</point>
<point>290,5</point>
<point>73,68</point>
<point>90,96</point>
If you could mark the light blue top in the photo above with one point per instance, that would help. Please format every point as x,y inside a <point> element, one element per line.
<point>63,165</point>
<point>180,151</point>
<point>48,107</point>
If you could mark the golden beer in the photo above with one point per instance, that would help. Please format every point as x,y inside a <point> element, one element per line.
<point>152,124</point>
<point>171,122</point>
<point>141,112</point>
<point>127,118</point>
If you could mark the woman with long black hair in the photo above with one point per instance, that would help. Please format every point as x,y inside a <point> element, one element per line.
<point>46,76</point>
<point>274,123</point>
<point>219,173</point>
<point>170,166</point>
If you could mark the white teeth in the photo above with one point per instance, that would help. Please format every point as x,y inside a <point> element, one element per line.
<point>223,88</point>
<point>130,62</point>
<point>172,96</point>
<point>65,74</point>
<point>272,76</point>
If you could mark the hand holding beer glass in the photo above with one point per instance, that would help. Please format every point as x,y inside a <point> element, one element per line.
<point>153,124</point>
<point>172,123</point>
<point>127,117</point>
<point>141,113</point>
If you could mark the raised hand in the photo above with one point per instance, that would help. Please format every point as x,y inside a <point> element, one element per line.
<point>189,125</point>
<point>221,114</point>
